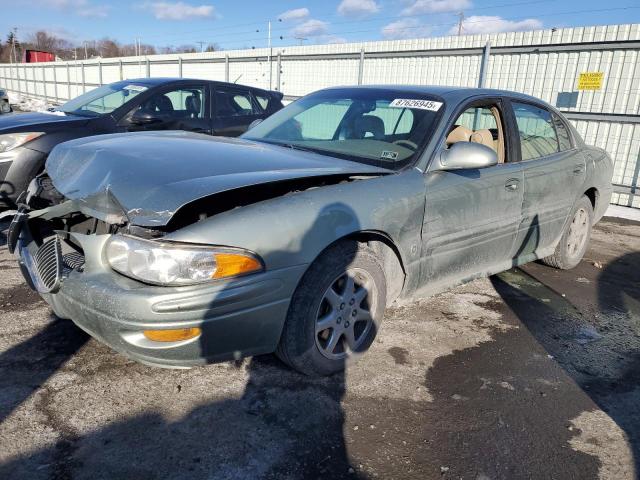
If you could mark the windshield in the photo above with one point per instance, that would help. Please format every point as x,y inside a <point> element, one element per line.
<point>380,127</point>
<point>103,100</point>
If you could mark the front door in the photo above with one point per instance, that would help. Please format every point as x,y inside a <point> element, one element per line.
<point>472,216</point>
<point>183,108</point>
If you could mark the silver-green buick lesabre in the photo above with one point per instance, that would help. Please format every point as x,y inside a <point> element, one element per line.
<point>179,249</point>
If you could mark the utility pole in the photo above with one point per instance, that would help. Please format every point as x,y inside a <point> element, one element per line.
<point>461,17</point>
<point>270,56</point>
<point>14,53</point>
<point>201,46</point>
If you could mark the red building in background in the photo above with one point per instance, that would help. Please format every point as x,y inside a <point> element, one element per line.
<point>34,56</point>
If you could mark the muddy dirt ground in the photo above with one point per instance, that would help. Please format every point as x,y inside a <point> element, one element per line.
<point>534,373</point>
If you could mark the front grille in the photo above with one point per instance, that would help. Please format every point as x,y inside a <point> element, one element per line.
<point>48,265</point>
<point>72,261</point>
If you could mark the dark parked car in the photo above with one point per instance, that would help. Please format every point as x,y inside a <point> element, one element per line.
<point>182,249</point>
<point>132,105</point>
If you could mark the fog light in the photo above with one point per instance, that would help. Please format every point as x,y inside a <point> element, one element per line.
<point>177,335</point>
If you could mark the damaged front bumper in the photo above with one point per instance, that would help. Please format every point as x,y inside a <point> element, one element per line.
<point>237,318</point>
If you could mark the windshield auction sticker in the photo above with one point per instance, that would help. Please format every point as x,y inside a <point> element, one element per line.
<point>419,104</point>
<point>135,88</point>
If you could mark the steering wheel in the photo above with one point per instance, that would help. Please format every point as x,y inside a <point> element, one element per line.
<point>407,143</point>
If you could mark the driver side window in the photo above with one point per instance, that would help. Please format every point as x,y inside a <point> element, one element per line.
<point>481,124</point>
<point>176,104</point>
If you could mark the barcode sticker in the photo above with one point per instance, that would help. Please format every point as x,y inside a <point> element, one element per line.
<point>416,103</point>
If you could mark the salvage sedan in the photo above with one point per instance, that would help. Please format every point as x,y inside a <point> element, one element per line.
<point>179,249</point>
<point>215,108</point>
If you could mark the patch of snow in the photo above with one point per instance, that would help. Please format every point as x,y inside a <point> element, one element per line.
<point>619,211</point>
<point>26,104</point>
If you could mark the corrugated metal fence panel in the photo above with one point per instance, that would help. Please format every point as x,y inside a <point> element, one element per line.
<point>622,142</point>
<point>300,77</point>
<point>542,63</point>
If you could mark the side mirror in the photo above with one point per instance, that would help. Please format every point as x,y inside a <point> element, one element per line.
<point>467,155</point>
<point>255,123</point>
<point>144,117</point>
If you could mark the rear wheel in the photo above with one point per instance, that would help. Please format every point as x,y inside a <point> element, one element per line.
<point>575,238</point>
<point>336,311</point>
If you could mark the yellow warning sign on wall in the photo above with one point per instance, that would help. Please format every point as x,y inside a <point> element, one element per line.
<point>590,81</point>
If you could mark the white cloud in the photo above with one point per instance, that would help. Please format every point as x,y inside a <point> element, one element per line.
<point>333,39</point>
<point>420,7</point>
<point>311,28</point>
<point>294,15</point>
<point>358,8</point>
<point>405,28</point>
<point>479,24</point>
<point>179,10</point>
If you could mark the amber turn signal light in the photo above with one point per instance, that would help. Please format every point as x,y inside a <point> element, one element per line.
<point>176,335</point>
<point>232,264</point>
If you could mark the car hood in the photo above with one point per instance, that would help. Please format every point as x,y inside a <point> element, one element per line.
<point>144,178</point>
<point>19,121</point>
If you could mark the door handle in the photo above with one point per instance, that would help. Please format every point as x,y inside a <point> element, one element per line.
<point>578,169</point>
<point>512,185</point>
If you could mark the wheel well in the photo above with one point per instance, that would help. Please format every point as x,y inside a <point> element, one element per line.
<point>592,194</point>
<point>391,260</point>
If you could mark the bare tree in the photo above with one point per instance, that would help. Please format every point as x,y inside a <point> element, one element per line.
<point>109,48</point>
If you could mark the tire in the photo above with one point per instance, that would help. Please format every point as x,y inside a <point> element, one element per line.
<point>575,238</point>
<point>304,345</point>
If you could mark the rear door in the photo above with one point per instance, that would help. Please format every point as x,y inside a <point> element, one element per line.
<point>554,172</point>
<point>472,216</point>
<point>235,109</point>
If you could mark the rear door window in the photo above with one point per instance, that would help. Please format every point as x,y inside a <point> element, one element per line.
<point>537,133</point>
<point>235,103</point>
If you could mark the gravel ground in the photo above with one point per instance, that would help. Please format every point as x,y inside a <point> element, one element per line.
<point>534,373</point>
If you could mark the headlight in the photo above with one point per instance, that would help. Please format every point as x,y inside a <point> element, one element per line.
<point>176,264</point>
<point>10,141</point>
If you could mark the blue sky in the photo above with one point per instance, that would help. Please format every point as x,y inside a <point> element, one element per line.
<point>243,23</point>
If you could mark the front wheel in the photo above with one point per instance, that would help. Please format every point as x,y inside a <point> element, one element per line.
<point>336,310</point>
<point>575,238</point>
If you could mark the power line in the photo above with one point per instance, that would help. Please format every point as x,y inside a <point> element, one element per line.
<point>259,23</point>
<point>467,22</point>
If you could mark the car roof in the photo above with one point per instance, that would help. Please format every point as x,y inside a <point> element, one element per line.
<point>155,81</point>
<point>450,93</point>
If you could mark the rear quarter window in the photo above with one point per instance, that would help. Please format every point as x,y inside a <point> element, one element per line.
<point>562,130</point>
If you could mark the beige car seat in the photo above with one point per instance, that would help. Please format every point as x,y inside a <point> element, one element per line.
<point>459,134</point>
<point>485,138</point>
